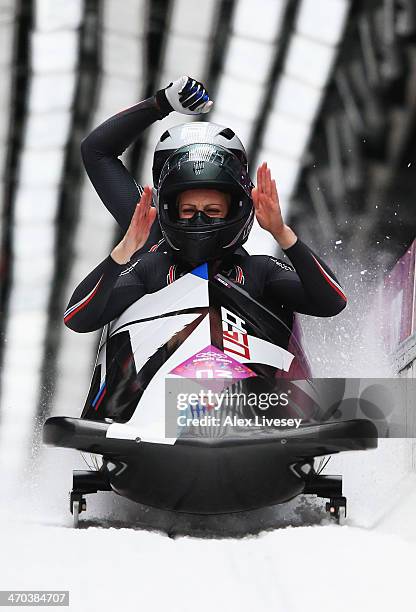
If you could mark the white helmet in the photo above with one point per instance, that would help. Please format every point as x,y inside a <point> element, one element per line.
<point>193,133</point>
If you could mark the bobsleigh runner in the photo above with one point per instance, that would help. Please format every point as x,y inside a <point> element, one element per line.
<point>204,333</point>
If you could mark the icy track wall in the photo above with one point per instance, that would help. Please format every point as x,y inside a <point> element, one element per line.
<point>399,306</point>
<point>374,337</point>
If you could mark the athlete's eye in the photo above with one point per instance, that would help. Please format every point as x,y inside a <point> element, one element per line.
<point>213,211</point>
<point>188,210</point>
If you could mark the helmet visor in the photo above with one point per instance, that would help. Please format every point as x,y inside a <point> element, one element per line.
<point>202,157</point>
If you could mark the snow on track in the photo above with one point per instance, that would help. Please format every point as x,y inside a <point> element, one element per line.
<point>293,569</point>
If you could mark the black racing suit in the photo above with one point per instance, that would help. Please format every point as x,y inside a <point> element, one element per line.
<point>309,287</point>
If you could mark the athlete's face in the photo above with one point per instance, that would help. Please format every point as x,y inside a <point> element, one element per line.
<point>209,201</point>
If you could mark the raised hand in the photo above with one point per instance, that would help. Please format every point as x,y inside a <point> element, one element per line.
<point>186,96</point>
<point>138,231</point>
<point>267,208</point>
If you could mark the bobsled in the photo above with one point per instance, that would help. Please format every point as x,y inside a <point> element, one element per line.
<point>203,340</point>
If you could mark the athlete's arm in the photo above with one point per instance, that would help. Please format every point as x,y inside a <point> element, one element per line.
<point>114,284</point>
<point>103,295</point>
<point>311,288</point>
<point>100,153</point>
<point>102,147</point>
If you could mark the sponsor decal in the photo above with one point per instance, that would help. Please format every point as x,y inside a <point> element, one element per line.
<point>212,363</point>
<point>282,265</point>
<point>234,334</point>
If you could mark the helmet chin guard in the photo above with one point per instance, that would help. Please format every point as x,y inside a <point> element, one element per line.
<point>201,238</point>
